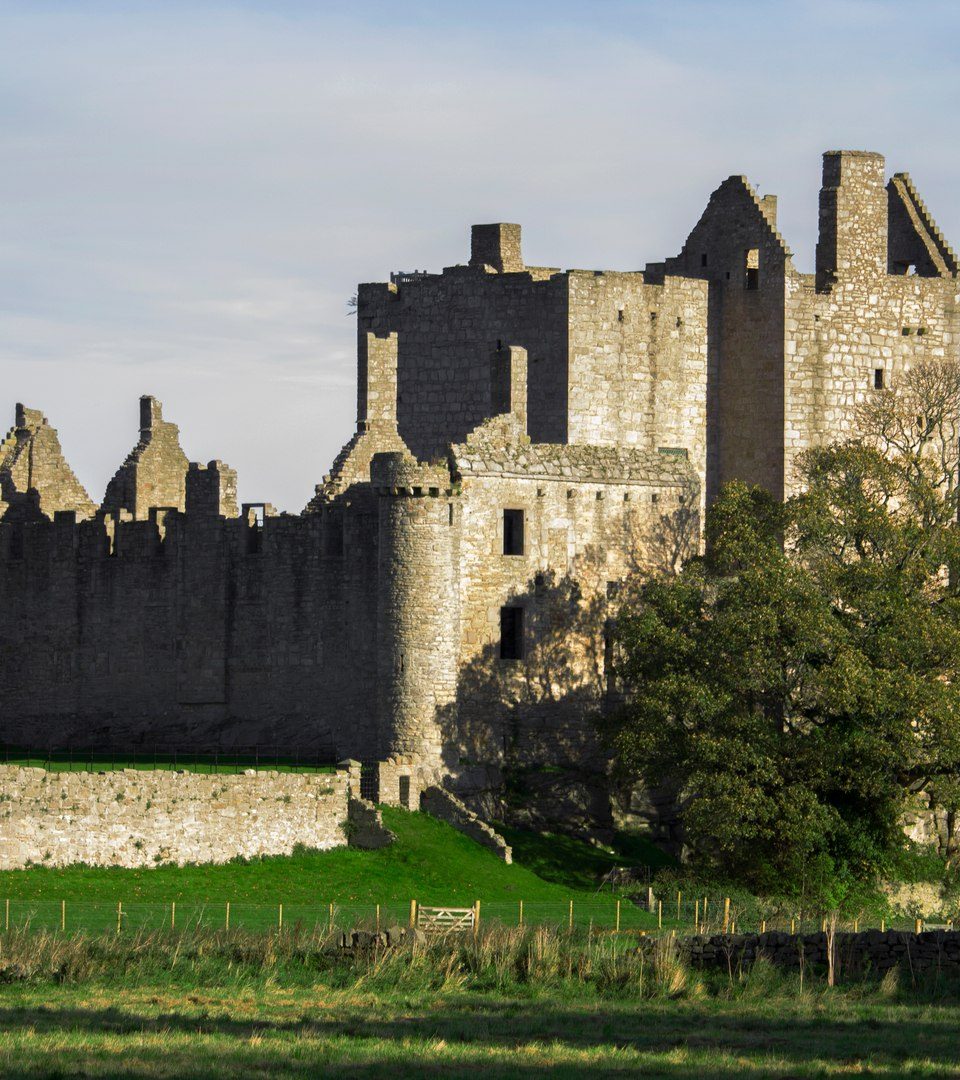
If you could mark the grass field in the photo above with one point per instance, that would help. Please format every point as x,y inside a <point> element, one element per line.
<point>513,1005</point>
<point>431,862</point>
<point>275,1032</point>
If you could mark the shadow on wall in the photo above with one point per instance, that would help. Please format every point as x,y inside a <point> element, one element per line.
<point>521,740</point>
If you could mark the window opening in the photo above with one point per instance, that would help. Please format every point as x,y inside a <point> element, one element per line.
<point>253,515</point>
<point>513,532</point>
<point>333,534</point>
<point>511,633</point>
<point>703,259</point>
<point>878,378</point>
<point>404,792</point>
<point>751,261</point>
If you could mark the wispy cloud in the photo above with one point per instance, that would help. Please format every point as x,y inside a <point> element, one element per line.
<point>191,191</point>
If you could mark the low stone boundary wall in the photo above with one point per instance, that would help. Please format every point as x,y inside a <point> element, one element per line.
<point>439,803</point>
<point>148,817</point>
<point>869,950</point>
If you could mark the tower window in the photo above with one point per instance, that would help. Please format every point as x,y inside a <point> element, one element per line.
<point>513,532</point>
<point>703,259</point>
<point>511,633</point>
<point>751,268</point>
<point>878,378</point>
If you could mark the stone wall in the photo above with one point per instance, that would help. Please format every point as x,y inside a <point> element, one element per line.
<point>147,818</point>
<point>867,951</point>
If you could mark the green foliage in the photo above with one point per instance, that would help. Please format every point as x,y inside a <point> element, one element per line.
<point>798,684</point>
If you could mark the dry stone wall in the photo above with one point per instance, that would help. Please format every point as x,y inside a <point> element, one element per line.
<point>147,818</point>
<point>868,951</point>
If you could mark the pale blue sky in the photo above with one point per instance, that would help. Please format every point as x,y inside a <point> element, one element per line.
<point>190,191</point>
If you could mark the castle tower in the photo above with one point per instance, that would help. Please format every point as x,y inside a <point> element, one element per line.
<point>853,217</point>
<point>418,616</point>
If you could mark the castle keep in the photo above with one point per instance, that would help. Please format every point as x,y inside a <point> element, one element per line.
<point>529,442</point>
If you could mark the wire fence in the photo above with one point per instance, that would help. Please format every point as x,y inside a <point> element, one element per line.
<point>234,760</point>
<point>601,915</point>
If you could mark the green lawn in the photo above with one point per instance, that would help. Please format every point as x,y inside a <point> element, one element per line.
<point>147,1032</point>
<point>61,761</point>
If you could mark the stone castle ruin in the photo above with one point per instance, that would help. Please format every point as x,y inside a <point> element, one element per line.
<point>529,442</point>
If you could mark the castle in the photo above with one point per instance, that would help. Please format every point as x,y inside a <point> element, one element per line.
<point>529,441</point>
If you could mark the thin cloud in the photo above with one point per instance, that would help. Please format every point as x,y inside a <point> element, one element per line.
<point>192,190</point>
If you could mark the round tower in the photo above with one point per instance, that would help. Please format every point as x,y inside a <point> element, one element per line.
<point>418,607</point>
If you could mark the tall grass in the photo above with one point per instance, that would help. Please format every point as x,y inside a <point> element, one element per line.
<point>509,961</point>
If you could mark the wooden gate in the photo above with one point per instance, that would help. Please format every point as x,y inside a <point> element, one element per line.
<point>448,920</point>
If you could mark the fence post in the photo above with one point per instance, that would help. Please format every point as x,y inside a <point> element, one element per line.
<point>659,914</point>
<point>793,926</point>
<point>726,914</point>
<point>678,905</point>
<point>570,918</point>
<point>476,919</point>
<point>883,926</point>
<point>696,916</point>
<point>173,914</point>
<point>331,918</point>
<point>520,916</point>
<point>119,914</point>
<point>378,918</point>
<point>617,930</point>
<point>413,914</point>
<point>280,918</point>
<point>763,926</point>
<point>63,915</point>
<point>7,916</point>
<point>226,921</point>
<point>918,926</point>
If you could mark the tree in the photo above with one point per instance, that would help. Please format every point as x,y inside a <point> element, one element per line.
<point>798,684</point>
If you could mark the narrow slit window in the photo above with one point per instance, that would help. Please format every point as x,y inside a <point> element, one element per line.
<point>513,532</point>
<point>878,378</point>
<point>511,633</point>
<point>703,259</point>
<point>751,261</point>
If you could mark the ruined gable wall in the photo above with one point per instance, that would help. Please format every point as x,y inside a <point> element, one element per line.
<point>836,341</point>
<point>447,325</point>
<point>854,317</point>
<point>745,334</point>
<point>35,478</point>
<point>638,363</point>
<point>202,635</point>
<point>154,472</point>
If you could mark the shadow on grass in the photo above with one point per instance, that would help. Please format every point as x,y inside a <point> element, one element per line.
<point>682,1040</point>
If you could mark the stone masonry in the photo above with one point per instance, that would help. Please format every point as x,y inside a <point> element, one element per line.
<point>148,817</point>
<point>530,443</point>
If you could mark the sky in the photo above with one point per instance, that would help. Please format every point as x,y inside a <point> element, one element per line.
<point>190,191</point>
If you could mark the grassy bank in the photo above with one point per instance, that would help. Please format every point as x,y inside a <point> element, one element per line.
<point>430,862</point>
